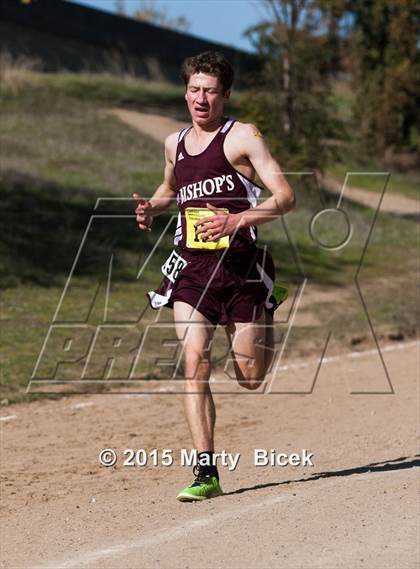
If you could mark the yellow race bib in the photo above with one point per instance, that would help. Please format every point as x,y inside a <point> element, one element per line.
<point>194,241</point>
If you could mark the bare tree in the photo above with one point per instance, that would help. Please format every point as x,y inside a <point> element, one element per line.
<point>120,7</point>
<point>148,12</point>
<point>292,101</point>
<point>292,19</point>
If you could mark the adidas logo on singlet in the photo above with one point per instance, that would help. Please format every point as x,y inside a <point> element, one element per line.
<point>180,156</point>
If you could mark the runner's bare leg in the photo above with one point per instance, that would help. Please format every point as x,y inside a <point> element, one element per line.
<point>269,340</point>
<point>196,334</point>
<point>252,348</point>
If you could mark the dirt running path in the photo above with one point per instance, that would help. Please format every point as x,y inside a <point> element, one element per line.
<point>158,127</point>
<point>356,508</point>
<point>391,203</point>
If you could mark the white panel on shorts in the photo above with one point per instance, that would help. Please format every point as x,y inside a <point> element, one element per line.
<point>178,230</point>
<point>269,283</point>
<point>158,300</point>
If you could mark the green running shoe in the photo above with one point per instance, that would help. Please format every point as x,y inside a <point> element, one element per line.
<point>278,296</point>
<point>202,488</point>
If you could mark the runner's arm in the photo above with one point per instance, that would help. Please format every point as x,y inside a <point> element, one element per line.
<point>282,200</point>
<point>166,192</point>
<point>164,195</point>
<point>255,149</point>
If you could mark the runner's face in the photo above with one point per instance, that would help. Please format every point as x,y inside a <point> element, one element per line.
<point>205,98</point>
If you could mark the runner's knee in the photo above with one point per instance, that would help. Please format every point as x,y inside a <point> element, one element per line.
<point>197,364</point>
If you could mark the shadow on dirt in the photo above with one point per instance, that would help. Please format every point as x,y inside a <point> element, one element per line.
<point>401,463</point>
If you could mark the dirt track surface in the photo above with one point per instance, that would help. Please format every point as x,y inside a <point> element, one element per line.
<point>356,508</point>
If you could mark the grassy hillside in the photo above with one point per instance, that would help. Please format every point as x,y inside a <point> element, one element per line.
<point>350,160</point>
<point>60,154</point>
<point>402,184</point>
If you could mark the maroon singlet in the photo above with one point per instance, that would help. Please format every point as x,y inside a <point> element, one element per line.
<point>227,285</point>
<point>210,177</point>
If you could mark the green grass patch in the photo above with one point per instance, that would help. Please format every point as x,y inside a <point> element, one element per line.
<point>34,88</point>
<point>75,145</point>
<point>91,87</point>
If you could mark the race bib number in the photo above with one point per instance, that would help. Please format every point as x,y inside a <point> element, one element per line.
<point>194,240</point>
<point>173,266</point>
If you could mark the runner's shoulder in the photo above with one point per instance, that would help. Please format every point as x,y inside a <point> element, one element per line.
<point>244,139</point>
<point>171,142</point>
<point>245,130</point>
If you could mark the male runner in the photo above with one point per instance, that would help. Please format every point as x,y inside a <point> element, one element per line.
<point>216,274</point>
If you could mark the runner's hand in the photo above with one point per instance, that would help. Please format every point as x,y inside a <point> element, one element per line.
<point>218,225</point>
<point>143,213</point>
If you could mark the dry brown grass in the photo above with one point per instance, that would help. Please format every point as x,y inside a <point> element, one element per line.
<point>15,72</point>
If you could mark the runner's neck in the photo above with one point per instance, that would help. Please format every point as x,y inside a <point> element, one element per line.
<point>203,133</point>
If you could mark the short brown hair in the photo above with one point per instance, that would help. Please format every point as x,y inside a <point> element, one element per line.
<point>212,63</point>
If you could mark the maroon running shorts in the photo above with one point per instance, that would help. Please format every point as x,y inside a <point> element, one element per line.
<point>223,285</point>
